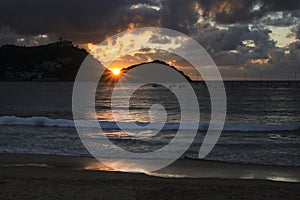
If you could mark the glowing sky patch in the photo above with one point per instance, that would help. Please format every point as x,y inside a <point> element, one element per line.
<point>143,5</point>
<point>106,52</point>
<point>259,61</point>
<point>282,35</point>
<point>249,43</point>
<point>257,6</point>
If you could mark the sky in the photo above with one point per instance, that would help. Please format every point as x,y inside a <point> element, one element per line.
<point>252,38</point>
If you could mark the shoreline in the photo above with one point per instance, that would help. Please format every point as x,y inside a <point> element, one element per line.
<point>60,180</point>
<point>182,168</point>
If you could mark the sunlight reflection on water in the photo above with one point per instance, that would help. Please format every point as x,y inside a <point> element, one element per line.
<point>191,172</point>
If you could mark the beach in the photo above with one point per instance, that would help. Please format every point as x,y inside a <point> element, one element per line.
<point>61,177</point>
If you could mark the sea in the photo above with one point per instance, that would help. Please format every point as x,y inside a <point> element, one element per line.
<point>262,123</point>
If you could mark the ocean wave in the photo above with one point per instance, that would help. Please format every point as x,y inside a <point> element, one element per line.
<point>45,121</point>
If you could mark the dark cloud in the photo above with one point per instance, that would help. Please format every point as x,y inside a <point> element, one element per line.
<point>296,31</point>
<point>229,11</point>
<point>179,15</point>
<point>282,19</point>
<point>159,39</point>
<point>81,21</point>
<point>93,20</point>
<point>279,5</point>
<point>244,11</point>
<point>216,39</point>
<point>7,36</point>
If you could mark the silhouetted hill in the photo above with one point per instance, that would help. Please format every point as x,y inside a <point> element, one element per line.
<point>53,62</point>
<point>108,77</point>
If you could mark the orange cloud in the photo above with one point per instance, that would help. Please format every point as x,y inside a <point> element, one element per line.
<point>287,52</point>
<point>259,61</point>
<point>131,26</point>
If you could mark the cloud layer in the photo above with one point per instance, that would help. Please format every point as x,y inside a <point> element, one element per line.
<point>237,33</point>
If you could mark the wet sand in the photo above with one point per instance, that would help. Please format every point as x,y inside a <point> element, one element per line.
<point>60,177</point>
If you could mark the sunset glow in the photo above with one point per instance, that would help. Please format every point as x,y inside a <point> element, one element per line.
<point>116,72</point>
<point>259,61</point>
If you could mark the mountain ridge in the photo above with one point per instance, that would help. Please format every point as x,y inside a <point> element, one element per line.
<point>108,76</point>
<point>58,61</point>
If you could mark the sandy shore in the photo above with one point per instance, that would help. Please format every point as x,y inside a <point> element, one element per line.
<point>59,177</point>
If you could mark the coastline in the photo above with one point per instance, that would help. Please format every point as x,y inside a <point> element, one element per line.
<point>182,168</point>
<point>65,177</point>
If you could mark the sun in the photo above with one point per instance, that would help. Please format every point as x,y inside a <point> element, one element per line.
<point>116,71</point>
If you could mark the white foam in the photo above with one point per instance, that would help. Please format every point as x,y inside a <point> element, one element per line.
<point>45,121</point>
<point>35,121</point>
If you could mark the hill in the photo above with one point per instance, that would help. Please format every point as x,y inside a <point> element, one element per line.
<point>108,77</point>
<point>53,62</point>
<point>58,61</point>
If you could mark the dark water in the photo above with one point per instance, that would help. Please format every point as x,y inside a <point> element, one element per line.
<point>262,124</point>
